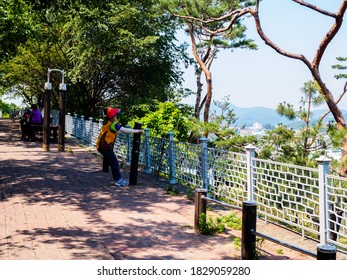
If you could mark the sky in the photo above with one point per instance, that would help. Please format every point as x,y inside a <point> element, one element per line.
<point>265,78</point>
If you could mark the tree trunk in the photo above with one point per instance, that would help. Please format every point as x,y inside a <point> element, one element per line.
<point>198,95</point>
<point>338,116</point>
<point>192,137</point>
<point>207,72</point>
<point>208,95</point>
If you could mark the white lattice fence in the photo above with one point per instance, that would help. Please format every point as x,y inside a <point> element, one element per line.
<point>188,164</point>
<point>227,176</point>
<point>288,194</point>
<point>336,188</point>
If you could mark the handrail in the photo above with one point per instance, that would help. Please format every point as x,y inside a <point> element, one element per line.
<point>285,244</point>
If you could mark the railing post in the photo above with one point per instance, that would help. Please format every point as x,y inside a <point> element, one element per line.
<point>200,207</point>
<point>249,226</point>
<point>172,165</point>
<point>75,125</point>
<point>325,251</point>
<point>128,137</point>
<point>83,131</point>
<point>147,153</point>
<point>250,155</point>
<point>90,136</point>
<point>68,123</point>
<point>101,123</point>
<point>204,171</point>
<point>99,127</point>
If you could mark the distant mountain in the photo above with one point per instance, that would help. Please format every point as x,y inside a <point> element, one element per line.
<point>265,116</point>
<point>269,117</point>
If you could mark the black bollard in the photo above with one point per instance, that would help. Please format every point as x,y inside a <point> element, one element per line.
<point>135,153</point>
<point>200,207</point>
<point>249,223</point>
<point>326,252</point>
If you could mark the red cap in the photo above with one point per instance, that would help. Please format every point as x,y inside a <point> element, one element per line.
<point>111,112</point>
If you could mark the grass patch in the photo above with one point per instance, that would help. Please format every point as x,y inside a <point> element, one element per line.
<point>232,221</point>
<point>210,226</point>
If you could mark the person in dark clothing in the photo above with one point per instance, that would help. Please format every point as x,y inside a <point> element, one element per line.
<point>24,125</point>
<point>105,144</point>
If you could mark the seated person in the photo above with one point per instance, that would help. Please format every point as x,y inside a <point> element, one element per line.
<point>35,115</point>
<point>34,119</point>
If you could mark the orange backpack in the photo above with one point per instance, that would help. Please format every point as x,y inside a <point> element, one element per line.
<point>106,138</point>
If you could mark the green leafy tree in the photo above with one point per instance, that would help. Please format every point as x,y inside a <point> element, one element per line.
<point>24,74</point>
<point>278,145</point>
<point>168,117</point>
<point>124,52</point>
<point>16,26</point>
<point>113,53</point>
<point>5,107</point>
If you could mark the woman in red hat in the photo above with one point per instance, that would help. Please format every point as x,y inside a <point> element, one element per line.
<point>105,143</point>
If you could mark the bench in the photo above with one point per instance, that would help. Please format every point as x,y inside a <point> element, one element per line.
<point>39,128</point>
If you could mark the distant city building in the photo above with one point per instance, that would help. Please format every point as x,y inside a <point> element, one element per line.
<point>257,126</point>
<point>256,129</point>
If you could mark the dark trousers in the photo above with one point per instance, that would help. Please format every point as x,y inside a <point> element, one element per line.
<point>110,159</point>
<point>25,129</point>
<point>32,131</point>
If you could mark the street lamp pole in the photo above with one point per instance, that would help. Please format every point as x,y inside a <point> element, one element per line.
<point>46,118</point>
<point>62,105</point>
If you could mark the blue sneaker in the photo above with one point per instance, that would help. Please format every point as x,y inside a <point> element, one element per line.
<point>121,183</point>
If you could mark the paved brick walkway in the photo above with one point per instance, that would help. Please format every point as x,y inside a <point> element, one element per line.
<point>56,205</point>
